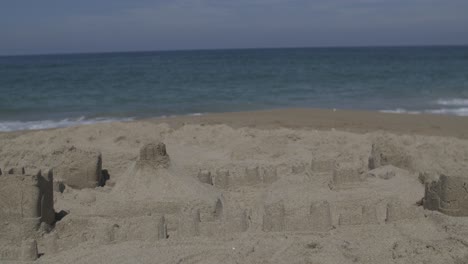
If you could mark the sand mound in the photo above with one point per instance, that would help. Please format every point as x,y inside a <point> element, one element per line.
<point>151,178</point>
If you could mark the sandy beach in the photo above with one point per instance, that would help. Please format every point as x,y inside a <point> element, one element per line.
<point>326,119</point>
<point>275,186</point>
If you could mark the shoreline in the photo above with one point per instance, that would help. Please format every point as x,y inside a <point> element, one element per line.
<point>326,119</point>
<point>356,121</point>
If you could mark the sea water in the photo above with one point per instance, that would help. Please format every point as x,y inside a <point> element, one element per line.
<point>44,91</point>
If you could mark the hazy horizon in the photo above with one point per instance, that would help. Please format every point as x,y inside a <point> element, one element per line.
<point>233,49</point>
<point>58,27</point>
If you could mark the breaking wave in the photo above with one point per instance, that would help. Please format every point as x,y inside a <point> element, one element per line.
<point>6,126</point>
<point>463,111</point>
<point>453,102</point>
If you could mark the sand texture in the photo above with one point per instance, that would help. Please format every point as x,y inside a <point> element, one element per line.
<point>191,190</point>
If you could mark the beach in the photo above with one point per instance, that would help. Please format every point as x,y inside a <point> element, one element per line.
<point>339,119</point>
<point>294,185</point>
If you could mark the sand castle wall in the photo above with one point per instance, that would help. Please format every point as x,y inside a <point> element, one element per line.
<point>252,175</point>
<point>397,211</point>
<point>27,251</point>
<point>192,222</point>
<point>274,218</point>
<point>72,231</point>
<point>363,215</point>
<point>320,216</point>
<point>189,223</point>
<point>346,173</point>
<point>222,179</point>
<point>322,165</point>
<point>316,218</point>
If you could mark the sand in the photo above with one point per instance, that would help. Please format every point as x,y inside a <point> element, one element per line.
<point>278,186</point>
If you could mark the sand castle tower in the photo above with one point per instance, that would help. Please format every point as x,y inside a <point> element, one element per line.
<point>26,199</point>
<point>386,151</point>
<point>80,168</point>
<point>153,156</point>
<point>448,195</point>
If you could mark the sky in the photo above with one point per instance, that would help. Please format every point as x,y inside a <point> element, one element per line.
<point>75,26</point>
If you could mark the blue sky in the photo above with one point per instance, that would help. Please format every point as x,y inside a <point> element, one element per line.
<point>62,26</point>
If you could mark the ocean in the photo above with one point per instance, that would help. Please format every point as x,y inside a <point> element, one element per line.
<point>45,91</point>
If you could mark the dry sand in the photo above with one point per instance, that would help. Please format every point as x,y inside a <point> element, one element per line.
<point>280,186</point>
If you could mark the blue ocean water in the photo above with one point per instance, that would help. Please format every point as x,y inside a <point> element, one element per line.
<point>61,90</point>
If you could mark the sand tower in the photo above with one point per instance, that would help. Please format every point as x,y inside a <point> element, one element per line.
<point>388,152</point>
<point>27,199</point>
<point>80,168</point>
<point>153,155</point>
<point>448,195</point>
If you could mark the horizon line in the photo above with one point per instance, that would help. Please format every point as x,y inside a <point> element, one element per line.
<point>232,49</point>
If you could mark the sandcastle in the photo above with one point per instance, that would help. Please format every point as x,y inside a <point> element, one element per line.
<point>317,218</point>
<point>154,155</point>
<point>195,222</point>
<point>365,214</point>
<point>387,152</point>
<point>204,176</point>
<point>448,195</point>
<point>80,168</point>
<point>222,179</point>
<point>252,175</point>
<point>345,174</point>
<point>105,230</point>
<point>26,202</point>
<point>164,200</point>
<point>27,251</point>
<point>274,218</point>
<point>320,165</point>
<point>27,198</point>
<point>320,218</point>
<point>396,211</point>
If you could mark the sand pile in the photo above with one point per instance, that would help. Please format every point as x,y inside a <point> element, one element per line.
<point>143,192</point>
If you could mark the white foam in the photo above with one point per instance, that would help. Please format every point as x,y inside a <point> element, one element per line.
<point>6,126</point>
<point>453,102</point>
<point>450,111</point>
<point>172,116</point>
<point>400,111</point>
<point>463,111</point>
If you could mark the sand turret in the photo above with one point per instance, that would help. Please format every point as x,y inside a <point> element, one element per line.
<point>27,197</point>
<point>448,195</point>
<point>80,168</point>
<point>154,155</point>
<point>388,152</point>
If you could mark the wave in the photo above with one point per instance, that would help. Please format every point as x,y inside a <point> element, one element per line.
<point>442,111</point>
<point>453,102</point>
<point>6,126</point>
<point>450,111</point>
<point>400,111</point>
